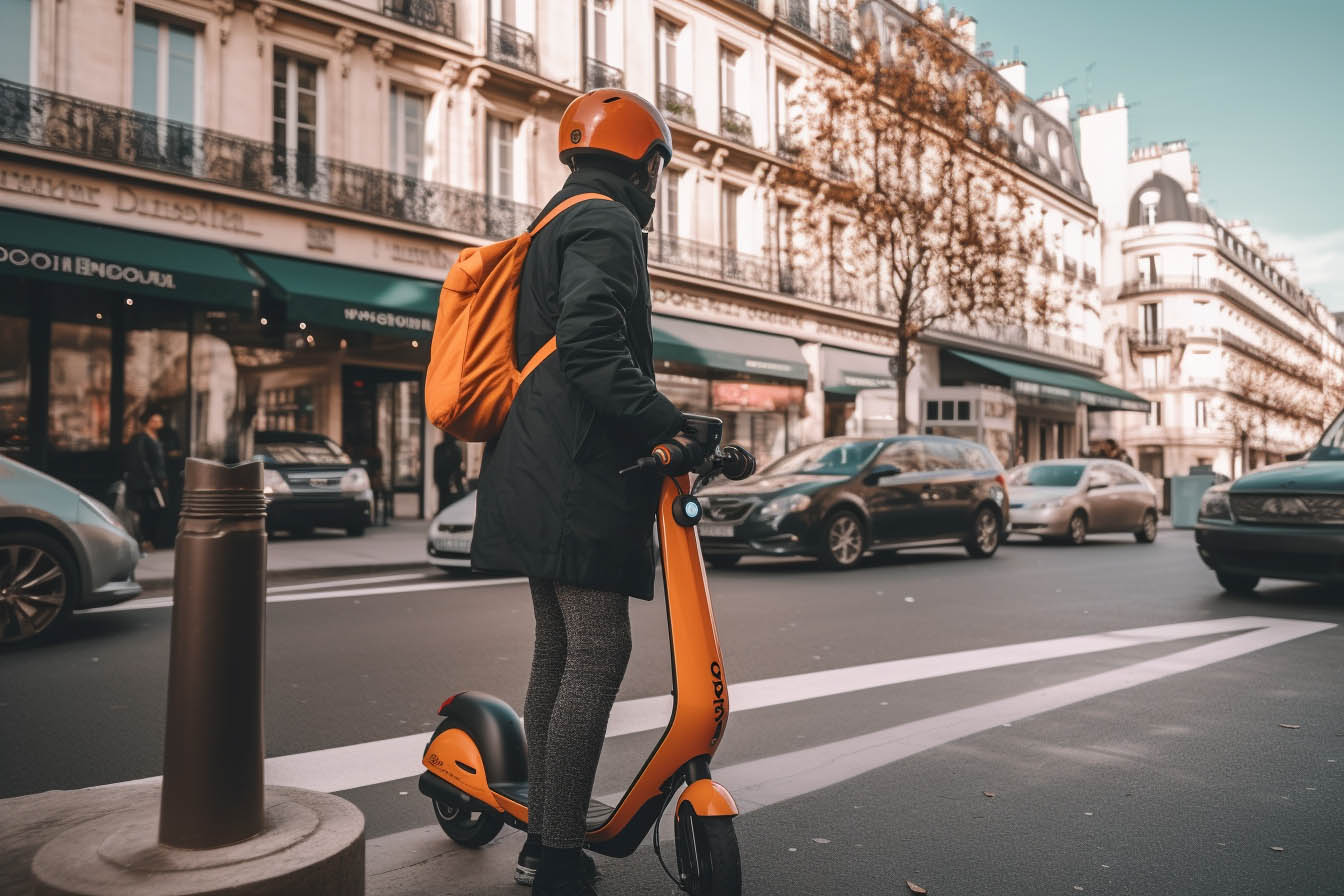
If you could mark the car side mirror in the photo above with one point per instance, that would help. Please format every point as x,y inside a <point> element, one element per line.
<point>880,472</point>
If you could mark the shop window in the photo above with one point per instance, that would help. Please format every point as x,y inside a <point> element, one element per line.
<point>406,137</point>
<point>292,408</point>
<point>79,415</point>
<point>218,418</point>
<point>16,33</point>
<point>156,380</point>
<point>14,386</point>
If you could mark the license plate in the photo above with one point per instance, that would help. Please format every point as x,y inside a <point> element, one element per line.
<point>458,544</point>
<point>710,530</point>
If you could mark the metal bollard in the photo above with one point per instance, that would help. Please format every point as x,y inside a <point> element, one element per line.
<point>214,748</point>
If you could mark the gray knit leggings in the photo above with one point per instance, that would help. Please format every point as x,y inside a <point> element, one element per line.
<point>583,645</point>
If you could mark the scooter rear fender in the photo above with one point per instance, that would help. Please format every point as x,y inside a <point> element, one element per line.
<point>453,757</point>
<point>709,799</point>
<point>480,742</point>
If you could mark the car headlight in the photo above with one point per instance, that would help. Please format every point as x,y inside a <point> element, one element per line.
<point>1047,505</point>
<point>777,508</point>
<point>354,481</point>
<point>272,483</point>
<point>101,511</point>
<point>1215,506</point>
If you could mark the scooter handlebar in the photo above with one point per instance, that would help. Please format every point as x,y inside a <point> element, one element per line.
<point>674,458</point>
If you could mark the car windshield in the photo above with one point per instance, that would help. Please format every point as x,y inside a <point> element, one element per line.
<point>324,452</point>
<point>827,459</point>
<point>1331,445</point>
<point>1057,475</point>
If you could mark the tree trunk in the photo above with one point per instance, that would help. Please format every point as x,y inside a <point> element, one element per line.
<point>902,424</point>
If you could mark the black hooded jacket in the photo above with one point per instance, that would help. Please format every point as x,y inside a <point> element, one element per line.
<point>552,504</point>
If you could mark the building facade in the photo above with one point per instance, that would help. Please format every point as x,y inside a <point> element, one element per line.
<point>239,213</point>
<point>1241,364</point>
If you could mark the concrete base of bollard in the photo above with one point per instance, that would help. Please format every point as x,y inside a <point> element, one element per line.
<point>312,843</point>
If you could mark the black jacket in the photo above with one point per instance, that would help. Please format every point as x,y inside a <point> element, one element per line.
<point>144,463</point>
<point>551,502</point>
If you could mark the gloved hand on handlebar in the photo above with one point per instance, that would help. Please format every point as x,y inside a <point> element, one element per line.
<point>681,454</point>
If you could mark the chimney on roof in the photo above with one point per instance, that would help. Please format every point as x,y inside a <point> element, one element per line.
<point>964,27</point>
<point>1015,73</point>
<point>1056,104</point>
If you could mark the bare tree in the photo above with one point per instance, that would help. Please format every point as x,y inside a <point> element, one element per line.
<point>1273,403</point>
<point>911,204</point>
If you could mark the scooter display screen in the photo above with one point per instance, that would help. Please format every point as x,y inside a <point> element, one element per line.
<point>708,431</point>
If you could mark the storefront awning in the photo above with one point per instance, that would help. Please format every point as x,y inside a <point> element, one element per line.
<point>844,372</point>
<point>1029,379</point>
<point>727,348</point>
<point>351,297</point>
<point>129,261</point>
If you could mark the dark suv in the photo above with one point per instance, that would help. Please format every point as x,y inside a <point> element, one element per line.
<point>842,497</point>
<point>310,482</point>
<point>1285,521</point>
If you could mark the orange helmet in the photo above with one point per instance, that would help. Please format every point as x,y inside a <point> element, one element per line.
<point>614,122</point>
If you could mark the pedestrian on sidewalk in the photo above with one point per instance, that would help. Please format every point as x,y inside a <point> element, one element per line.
<point>448,470</point>
<point>551,503</point>
<point>146,478</point>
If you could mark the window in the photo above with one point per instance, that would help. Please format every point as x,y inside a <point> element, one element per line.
<point>79,410</point>
<point>669,202</point>
<point>600,20</point>
<point>1201,413</point>
<point>16,34</point>
<point>728,76</point>
<point>500,137</point>
<point>1148,200</point>
<point>1001,116</point>
<point>164,78</point>
<point>665,52</point>
<point>941,455</point>
<point>406,137</point>
<point>14,386</point>
<point>1029,130</point>
<point>1052,146</point>
<point>1154,413</point>
<point>1156,369</point>
<point>1152,320</point>
<point>729,199</point>
<point>1196,268</point>
<point>294,110</point>
<point>1150,270</point>
<point>784,91</point>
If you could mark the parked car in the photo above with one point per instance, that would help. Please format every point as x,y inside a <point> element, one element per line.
<point>60,551</point>
<point>449,545</point>
<point>1064,500</point>
<point>310,482</point>
<point>1285,521</point>
<point>842,497</point>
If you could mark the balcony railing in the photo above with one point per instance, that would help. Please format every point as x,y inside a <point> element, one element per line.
<point>512,46</point>
<point>837,34</point>
<point>735,125</point>
<point>796,15</point>
<point>1141,339</point>
<point>597,73</point>
<point>676,104</point>
<point>709,260</point>
<point>78,127</point>
<point>435,15</point>
<point>1070,267</point>
<point>1029,338</point>
<point>787,146</point>
<point>1132,287</point>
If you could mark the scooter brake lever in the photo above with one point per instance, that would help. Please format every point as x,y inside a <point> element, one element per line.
<point>644,463</point>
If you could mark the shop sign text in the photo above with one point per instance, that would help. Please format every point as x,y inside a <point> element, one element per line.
<point>389,319</point>
<point>193,213</point>
<point>83,266</point>
<point>57,189</point>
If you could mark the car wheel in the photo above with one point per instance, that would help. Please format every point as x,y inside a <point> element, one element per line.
<point>723,561</point>
<point>844,540</point>
<point>1236,583</point>
<point>1147,533</point>
<point>986,533</point>
<point>39,583</point>
<point>1077,533</point>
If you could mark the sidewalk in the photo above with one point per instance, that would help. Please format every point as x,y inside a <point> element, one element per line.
<point>400,544</point>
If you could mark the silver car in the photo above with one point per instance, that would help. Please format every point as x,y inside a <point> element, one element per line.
<point>60,550</point>
<point>1066,499</point>
<point>449,544</point>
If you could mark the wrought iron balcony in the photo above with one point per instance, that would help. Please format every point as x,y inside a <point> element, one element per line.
<point>796,14</point>
<point>788,281</point>
<point>512,46</point>
<point>1032,339</point>
<point>711,261</point>
<point>837,34</point>
<point>90,130</point>
<point>1160,340</point>
<point>597,73</point>
<point>787,146</point>
<point>435,15</point>
<point>734,125</point>
<point>676,104</point>
<point>1132,287</point>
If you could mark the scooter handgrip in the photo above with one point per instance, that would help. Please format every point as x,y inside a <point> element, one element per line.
<point>738,463</point>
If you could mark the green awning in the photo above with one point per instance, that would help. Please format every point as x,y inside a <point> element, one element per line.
<point>351,297</point>
<point>727,348</point>
<point>844,372</point>
<point>1029,379</point>
<point>129,261</point>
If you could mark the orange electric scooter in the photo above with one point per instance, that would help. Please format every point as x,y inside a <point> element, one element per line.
<point>476,760</point>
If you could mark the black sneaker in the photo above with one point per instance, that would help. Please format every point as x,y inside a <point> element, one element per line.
<point>529,859</point>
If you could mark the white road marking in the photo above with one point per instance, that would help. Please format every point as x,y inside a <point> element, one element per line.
<point>368,580</point>
<point>376,762</point>
<point>155,603</point>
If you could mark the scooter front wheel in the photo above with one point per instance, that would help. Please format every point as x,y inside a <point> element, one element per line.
<point>707,856</point>
<point>464,826</point>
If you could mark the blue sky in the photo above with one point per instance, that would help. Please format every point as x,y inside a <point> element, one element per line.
<point>1255,87</point>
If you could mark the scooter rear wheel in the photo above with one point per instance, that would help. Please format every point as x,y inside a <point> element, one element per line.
<point>707,855</point>
<point>464,826</point>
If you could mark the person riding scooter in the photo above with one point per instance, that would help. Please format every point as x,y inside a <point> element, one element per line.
<point>551,503</point>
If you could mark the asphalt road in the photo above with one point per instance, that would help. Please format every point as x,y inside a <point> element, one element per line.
<point>1013,762</point>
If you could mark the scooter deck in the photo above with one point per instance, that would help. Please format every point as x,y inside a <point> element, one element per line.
<point>598,811</point>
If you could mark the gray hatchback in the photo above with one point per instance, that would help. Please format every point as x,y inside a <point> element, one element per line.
<point>60,550</point>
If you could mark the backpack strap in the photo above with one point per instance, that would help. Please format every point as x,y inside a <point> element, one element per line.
<point>549,348</point>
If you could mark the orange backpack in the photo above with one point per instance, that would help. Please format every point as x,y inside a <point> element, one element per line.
<point>472,375</point>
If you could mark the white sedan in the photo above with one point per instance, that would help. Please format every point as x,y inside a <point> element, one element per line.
<point>449,545</point>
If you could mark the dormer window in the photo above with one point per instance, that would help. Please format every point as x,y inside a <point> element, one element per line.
<point>1148,207</point>
<point>1052,146</point>
<point>1029,131</point>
